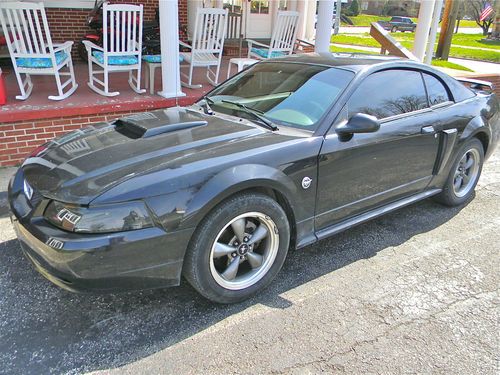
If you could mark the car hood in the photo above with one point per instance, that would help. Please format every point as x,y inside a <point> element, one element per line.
<point>81,165</point>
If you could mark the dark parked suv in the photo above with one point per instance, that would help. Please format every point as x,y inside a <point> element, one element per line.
<point>399,24</point>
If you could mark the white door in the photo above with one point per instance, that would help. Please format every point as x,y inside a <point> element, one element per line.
<point>259,19</point>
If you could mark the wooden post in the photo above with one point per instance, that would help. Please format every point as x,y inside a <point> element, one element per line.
<point>447,25</point>
<point>495,33</point>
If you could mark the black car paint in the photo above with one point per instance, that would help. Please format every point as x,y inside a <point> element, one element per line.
<point>182,175</point>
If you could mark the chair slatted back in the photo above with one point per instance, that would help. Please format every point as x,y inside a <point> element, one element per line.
<point>285,31</point>
<point>26,29</point>
<point>210,30</point>
<point>234,26</point>
<point>122,29</point>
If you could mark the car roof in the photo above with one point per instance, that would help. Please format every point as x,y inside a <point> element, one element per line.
<point>351,61</point>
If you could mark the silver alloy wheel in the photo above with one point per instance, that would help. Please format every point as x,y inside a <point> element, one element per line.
<point>466,173</point>
<point>244,251</point>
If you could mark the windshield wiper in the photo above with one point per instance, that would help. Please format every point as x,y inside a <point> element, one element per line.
<point>206,108</point>
<point>255,113</point>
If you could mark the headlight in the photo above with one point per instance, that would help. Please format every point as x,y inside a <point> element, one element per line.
<point>101,219</point>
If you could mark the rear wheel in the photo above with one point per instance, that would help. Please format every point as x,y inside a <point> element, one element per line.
<point>464,174</point>
<point>394,29</point>
<point>238,248</point>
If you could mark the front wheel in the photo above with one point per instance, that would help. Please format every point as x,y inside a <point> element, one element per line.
<point>464,174</point>
<point>394,29</point>
<point>238,248</point>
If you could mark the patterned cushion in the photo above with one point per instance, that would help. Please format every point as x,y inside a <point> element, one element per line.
<point>157,58</point>
<point>115,60</point>
<point>263,52</point>
<point>40,62</point>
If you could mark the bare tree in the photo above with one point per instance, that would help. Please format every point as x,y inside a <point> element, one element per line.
<point>475,7</point>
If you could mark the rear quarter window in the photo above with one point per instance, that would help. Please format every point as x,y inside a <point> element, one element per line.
<point>436,91</point>
<point>459,91</point>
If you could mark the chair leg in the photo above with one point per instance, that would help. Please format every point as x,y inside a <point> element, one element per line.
<point>25,91</point>
<point>213,81</point>
<point>105,86</point>
<point>147,72</point>
<point>136,86</point>
<point>189,84</point>
<point>72,74</point>
<point>59,87</point>
<point>152,71</point>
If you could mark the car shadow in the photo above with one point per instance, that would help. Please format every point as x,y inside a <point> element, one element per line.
<point>46,329</point>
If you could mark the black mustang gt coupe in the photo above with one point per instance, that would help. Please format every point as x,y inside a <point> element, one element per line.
<point>285,153</point>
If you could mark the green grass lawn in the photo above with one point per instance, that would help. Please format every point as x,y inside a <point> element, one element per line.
<point>440,63</point>
<point>367,19</point>
<point>460,39</point>
<point>406,39</point>
<point>450,65</point>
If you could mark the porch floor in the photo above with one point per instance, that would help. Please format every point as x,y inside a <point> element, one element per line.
<point>86,102</point>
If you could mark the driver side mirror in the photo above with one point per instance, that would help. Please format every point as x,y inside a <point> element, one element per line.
<point>358,123</point>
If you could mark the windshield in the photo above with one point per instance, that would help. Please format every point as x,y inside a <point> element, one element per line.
<point>288,94</point>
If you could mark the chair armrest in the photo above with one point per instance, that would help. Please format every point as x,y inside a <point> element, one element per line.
<point>185,45</point>
<point>62,46</point>
<point>251,41</point>
<point>90,46</point>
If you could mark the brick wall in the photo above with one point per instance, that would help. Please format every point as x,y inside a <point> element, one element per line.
<point>21,138</point>
<point>70,24</point>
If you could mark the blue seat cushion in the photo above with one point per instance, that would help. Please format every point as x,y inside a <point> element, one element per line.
<point>157,58</point>
<point>115,60</point>
<point>40,62</point>
<point>263,52</point>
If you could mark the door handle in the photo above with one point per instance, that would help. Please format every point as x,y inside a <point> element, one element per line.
<point>428,130</point>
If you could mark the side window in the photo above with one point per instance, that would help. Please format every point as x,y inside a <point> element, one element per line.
<point>435,90</point>
<point>389,93</point>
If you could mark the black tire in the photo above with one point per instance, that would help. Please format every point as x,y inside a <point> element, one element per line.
<point>448,196</point>
<point>197,263</point>
<point>394,29</point>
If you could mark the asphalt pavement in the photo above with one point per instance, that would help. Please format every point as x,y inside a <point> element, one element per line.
<point>415,291</point>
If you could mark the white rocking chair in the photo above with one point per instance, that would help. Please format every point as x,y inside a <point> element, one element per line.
<point>121,50</point>
<point>282,39</point>
<point>207,46</point>
<point>31,50</point>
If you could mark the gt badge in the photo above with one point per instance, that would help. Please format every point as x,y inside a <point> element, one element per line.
<point>306,182</point>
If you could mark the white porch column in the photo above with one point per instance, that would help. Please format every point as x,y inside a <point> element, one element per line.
<point>192,5</point>
<point>324,26</point>
<point>423,27</point>
<point>170,70</point>
<point>302,9</point>
<point>436,15</point>
<point>292,5</point>
<point>310,20</point>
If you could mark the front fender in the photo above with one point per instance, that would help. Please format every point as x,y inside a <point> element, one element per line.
<point>233,180</point>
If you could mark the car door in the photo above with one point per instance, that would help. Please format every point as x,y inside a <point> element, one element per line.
<point>373,169</point>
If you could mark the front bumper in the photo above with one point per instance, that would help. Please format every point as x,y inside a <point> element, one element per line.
<point>136,259</point>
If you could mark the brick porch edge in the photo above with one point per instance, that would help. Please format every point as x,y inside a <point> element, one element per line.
<point>18,139</point>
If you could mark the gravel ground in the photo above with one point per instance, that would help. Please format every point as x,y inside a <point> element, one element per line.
<point>413,292</point>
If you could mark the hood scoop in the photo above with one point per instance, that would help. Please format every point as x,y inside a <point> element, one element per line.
<point>146,125</point>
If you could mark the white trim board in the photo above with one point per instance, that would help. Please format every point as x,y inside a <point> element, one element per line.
<point>71,4</point>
